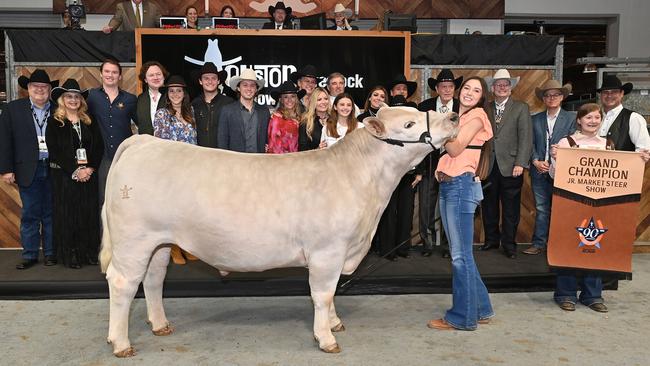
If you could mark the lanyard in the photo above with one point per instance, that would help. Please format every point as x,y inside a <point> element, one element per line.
<point>40,123</point>
<point>77,128</point>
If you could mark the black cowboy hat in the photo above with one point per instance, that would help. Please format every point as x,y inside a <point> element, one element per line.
<point>445,75</point>
<point>279,5</point>
<point>287,88</point>
<point>612,82</point>
<point>411,86</point>
<point>174,80</point>
<point>70,86</point>
<point>400,101</point>
<point>38,76</point>
<point>211,68</point>
<point>309,70</point>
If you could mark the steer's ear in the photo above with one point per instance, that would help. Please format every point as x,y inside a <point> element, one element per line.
<point>376,127</point>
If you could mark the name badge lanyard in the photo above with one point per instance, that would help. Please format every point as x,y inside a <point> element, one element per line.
<point>41,123</point>
<point>81,156</point>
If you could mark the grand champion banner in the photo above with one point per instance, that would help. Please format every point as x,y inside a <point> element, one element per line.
<point>365,58</point>
<point>595,209</point>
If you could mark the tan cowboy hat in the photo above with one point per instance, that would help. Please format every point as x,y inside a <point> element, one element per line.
<point>339,8</point>
<point>550,85</point>
<point>246,74</point>
<point>502,74</point>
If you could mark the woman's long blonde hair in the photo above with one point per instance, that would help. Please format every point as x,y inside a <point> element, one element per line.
<point>59,112</point>
<point>309,117</point>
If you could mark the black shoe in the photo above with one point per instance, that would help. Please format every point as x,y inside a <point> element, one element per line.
<point>488,246</point>
<point>392,258</point>
<point>446,254</point>
<point>93,261</point>
<point>26,263</point>
<point>50,260</point>
<point>510,255</point>
<point>427,253</point>
<point>403,254</point>
<point>75,265</point>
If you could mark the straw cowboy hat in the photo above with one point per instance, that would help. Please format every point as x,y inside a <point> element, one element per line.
<point>445,75</point>
<point>502,74</point>
<point>246,74</point>
<point>550,85</point>
<point>70,86</point>
<point>38,76</point>
<point>339,8</point>
<point>612,82</point>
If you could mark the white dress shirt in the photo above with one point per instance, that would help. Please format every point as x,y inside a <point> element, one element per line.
<point>638,128</point>
<point>449,105</point>
<point>153,103</point>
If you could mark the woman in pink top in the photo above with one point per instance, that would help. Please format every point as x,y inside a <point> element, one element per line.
<point>283,125</point>
<point>460,194</point>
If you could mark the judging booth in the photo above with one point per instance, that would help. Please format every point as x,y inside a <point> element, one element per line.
<point>366,58</point>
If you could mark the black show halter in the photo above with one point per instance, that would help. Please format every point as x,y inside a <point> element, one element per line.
<point>425,138</point>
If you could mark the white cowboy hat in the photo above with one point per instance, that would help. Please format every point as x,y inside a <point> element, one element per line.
<point>339,8</point>
<point>246,74</point>
<point>502,74</point>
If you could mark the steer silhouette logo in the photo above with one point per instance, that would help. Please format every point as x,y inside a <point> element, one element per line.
<point>213,54</point>
<point>591,233</point>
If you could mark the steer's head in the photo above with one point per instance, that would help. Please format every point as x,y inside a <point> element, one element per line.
<point>409,124</point>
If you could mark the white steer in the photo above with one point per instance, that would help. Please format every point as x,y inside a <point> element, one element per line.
<point>252,212</point>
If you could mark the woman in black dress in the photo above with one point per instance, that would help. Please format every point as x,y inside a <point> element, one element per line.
<point>376,98</point>
<point>313,120</point>
<point>75,149</point>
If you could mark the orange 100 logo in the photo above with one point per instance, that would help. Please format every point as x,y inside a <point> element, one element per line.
<point>591,234</point>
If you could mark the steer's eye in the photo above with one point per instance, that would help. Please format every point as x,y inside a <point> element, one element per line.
<point>409,124</point>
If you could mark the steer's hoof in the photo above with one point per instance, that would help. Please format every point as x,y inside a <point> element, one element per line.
<point>164,331</point>
<point>332,349</point>
<point>339,327</point>
<point>129,352</point>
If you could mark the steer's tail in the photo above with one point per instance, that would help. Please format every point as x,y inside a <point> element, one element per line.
<point>107,246</point>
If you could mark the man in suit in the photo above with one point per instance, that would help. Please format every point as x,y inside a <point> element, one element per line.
<point>152,75</point>
<point>133,14</point>
<point>341,16</point>
<point>549,127</point>
<point>24,161</point>
<point>445,86</point>
<point>280,17</point>
<point>243,124</point>
<point>512,145</point>
<point>208,105</point>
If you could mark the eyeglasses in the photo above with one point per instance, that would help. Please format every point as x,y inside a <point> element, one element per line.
<point>502,86</point>
<point>552,96</point>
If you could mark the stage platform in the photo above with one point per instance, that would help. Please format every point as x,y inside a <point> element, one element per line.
<point>414,275</point>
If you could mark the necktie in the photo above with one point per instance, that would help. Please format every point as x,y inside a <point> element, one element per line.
<point>444,109</point>
<point>278,27</point>
<point>138,19</point>
<point>499,115</point>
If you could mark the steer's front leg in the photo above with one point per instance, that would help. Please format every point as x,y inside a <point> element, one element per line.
<point>322,282</point>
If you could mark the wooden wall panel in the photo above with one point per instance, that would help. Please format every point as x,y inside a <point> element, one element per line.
<point>369,9</point>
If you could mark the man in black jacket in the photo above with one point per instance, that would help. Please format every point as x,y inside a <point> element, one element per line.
<point>445,86</point>
<point>207,106</point>
<point>280,17</point>
<point>24,161</point>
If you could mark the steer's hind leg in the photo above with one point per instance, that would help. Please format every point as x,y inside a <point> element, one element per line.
<point>124,276</point>
<point>336,325</point>
<point>322,281</point>
<point>153,287</point>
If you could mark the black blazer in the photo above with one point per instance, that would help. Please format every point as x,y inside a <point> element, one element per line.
<point>430,162</point>
<point>304,143</point>
<point>430,105</point>
<point>271,25</point>
<point>18,142</point>
<point>143,111</point>
<point>230,134</point>
<point>62,144</point>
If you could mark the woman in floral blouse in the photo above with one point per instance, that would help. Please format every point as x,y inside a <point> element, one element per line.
<point>176,120</point>
<point>283,126</point>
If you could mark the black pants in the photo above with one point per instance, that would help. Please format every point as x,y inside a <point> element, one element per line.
<point>506,193</point>
<point>397,220</point>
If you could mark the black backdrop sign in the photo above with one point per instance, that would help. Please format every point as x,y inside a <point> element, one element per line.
<point>365,60</point>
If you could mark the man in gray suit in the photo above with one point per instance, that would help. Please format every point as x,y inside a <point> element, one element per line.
<point>133,14</point>
<point>243,124</point>
<point>549,127</point>
<point>512,145</point>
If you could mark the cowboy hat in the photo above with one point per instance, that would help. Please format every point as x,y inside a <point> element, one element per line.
<point>445,75</point>
<point>551,85</point>
<point>400,101</point>
<point>411,86</point>
<point>309,71</point>
<point>502,74</point>
<point>70,86</point>
<point>279,6</point>
<point>246,74</point>
<point>211,68</point>
<point>612,82</point>
<point>175,80</point>
<point>287,88</point>
<point>38,76</point>
<point>339,8</point>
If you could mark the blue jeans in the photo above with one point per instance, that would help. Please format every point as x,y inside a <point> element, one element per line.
<point>470,300</point>
<point>542,186</point>
<point>36,220</point>
<point>566,287</point>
